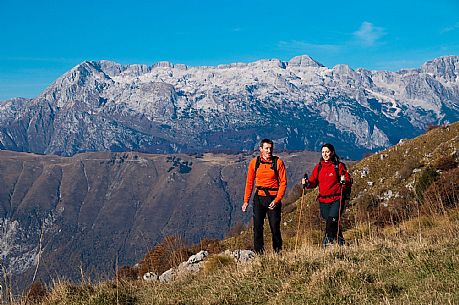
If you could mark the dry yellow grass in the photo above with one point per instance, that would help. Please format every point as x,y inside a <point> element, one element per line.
<point>415,262</point>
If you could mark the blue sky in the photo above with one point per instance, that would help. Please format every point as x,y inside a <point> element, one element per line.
<point>41,40</point>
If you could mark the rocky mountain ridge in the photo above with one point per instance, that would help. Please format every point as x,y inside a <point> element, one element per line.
<point>167,108</point>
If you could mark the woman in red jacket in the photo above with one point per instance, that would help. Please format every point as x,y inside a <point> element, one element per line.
<point>331,176</point>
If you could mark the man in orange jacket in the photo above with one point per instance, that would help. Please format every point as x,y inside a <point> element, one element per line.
<point>270,178</point>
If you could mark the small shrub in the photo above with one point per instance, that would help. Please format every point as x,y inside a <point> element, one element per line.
<point>364,207</point>
<point>368,208</point>
<point>167,254</point>
<point>446,163</point>
<point>383,216</point>
<point>406,193</point>
<point>428,176</point>
<point>408,167</point>
<point>211,245</point>
<point>443,193</point>
<point>127,273</point>
<point>216,262</point>
<point>401,209</point>
<point>37,292</point>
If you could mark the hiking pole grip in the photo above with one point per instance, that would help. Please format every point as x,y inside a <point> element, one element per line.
<point>305,176</point>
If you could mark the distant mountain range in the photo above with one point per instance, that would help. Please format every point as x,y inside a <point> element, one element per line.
<point>167,108</point>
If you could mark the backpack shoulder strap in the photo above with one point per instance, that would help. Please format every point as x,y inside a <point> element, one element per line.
<point>319,167</point>
<point>337,170</point>
<point>274,166</point>
<point>257,165</point>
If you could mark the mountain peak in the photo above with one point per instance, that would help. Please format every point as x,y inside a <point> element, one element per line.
<point>274,63</point>
<point>445,67</point>
<point>343,69</point>
<point>304,61</point>
<point>163,64</point>
<point>110,68</point>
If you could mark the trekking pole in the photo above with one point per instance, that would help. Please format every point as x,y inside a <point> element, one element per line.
<point>342,181</point>
<point>299,214</point>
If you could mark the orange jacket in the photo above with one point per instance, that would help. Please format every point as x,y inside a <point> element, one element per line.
<point>266,178</point>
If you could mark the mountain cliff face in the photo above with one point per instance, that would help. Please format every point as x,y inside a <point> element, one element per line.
<point>166,108</point>
<point>94,208</point>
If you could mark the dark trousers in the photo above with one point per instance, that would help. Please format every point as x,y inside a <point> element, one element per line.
<point>260,209</point>
<point>331,212</point>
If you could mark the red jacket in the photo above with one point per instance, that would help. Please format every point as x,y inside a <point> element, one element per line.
<point>327,181</point>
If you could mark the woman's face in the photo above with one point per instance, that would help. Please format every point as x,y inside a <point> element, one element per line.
<point>326,154</point>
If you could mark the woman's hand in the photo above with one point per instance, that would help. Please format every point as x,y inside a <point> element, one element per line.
<point>305,182</point>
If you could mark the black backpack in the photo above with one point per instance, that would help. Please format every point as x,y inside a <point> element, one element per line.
<point>347,187</point>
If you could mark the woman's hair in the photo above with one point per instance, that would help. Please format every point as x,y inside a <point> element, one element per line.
<point>334,156</point>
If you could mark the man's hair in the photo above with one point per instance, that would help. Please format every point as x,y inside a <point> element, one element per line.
<point>266,141</point>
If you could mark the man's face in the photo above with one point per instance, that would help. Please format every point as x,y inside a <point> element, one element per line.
<point>266,151</point>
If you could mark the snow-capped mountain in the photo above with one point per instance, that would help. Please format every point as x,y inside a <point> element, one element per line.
<point>168,108</point>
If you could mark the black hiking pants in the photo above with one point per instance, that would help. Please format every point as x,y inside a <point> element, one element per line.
<point>260,210</point>
<point>330,212</point>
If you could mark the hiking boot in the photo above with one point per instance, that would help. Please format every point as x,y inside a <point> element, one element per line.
<point>327,241</point>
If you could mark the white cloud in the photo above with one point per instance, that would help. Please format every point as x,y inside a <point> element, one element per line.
<point>451,28</point>
<point>368,34</point>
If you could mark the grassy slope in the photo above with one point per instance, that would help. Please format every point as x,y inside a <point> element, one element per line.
<point>390,270</point>
<point>413,261</point>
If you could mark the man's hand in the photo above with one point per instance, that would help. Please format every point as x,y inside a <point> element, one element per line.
<point>272,205</point>
<point>244,206</point>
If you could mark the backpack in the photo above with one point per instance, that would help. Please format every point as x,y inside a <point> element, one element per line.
<point>347,188</point>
